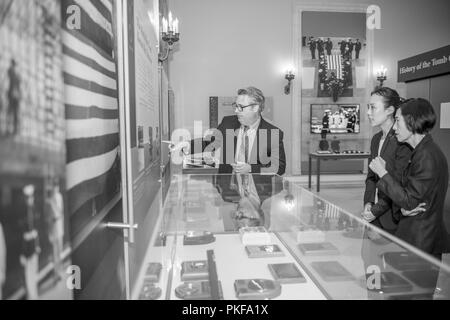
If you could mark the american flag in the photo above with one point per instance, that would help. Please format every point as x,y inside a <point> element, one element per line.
<point>91,104</point>
<point>335,65</point>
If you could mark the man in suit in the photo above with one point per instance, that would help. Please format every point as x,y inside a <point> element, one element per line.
<point>320,47</point>
<point>312,47</point>
<point>248,192</point>
<point>343,44</point>
<point>246,141</point>
<point>358,47</point>
<point>351,47</point>
<point>326,123</point>
<point>329,46</point>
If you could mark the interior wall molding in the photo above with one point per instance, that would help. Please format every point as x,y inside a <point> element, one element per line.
<point>326,6</point>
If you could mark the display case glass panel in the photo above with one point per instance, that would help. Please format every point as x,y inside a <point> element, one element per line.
<point>261,237</point>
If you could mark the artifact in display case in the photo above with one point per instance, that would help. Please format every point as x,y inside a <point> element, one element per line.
<point>255,236</point>
<point>318,248</point>
<point>153,272</point>
<point>286,273</point>
<point>195,238</point>
<point>266,251</point>
<point>196,290</point>
<point>331,271</point>
<point>150,291</point>
<point>257,289</point>
<point>405,261</point>
<point>194,270</point>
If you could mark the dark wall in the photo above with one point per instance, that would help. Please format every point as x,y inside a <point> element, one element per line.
<point>334,24</point>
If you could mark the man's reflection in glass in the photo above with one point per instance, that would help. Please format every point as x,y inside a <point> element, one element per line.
<point>248,210</point>
<point>248,192</point>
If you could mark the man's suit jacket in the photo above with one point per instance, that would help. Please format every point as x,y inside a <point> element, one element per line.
<point>425,180</point>
<point>261,156</point>
<point>396,156</point>
<point>351,46</point>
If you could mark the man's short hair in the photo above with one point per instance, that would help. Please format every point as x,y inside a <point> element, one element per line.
<point>419,115</point>
<point>256,94</point>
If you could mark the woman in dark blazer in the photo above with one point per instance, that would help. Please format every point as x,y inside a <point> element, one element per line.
<point>383,104</point>
<point>425,180</point>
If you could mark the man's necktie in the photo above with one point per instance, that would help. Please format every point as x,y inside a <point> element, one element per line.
<point>243,151</point>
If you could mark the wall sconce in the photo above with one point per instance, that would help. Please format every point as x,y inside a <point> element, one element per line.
<point>289,77</point>
<point>381,76</point>
<point>170,35</point>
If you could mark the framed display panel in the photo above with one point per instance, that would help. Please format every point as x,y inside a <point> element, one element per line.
<point>35,244</point>
<point>142,109</point>
<point>335,119</point>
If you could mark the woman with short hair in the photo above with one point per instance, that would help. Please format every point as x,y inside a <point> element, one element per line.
<point>425,179</point>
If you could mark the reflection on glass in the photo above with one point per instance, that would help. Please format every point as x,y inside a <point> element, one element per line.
<point>341,256</point>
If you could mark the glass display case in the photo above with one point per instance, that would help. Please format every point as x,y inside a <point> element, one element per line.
<point>255,237</point>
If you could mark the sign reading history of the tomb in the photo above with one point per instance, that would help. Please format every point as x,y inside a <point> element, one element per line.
<point>429,64</point>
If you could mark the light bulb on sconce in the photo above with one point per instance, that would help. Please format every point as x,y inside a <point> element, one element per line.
<point>289,199</point>
<point>289,202</point>
<point>170,35</point>
<point>381,76</point>
<point>290,76</point>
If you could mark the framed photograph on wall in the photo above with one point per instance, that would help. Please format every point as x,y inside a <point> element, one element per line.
<point>335,118</point>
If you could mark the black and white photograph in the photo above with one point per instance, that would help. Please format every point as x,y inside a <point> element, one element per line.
<point>198,151</point>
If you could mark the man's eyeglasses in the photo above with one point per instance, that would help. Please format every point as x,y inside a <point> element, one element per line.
<point>241,108</point>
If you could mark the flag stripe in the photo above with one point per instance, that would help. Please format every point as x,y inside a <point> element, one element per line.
<point>79,194</point>
<point>89,62</point>
<point>78,149</point>
<point>78,129</point>
<point>81,97</point>
<point>103,10</point>
<point>89,168</point>
<point>94,36</point>
<point>107,5</point>
<point>335,64</point>
<point>96,16</point>
<point>89,85</point>
<point>79,113</point>
<point>91,106</point>
<point>78,43</point>
<point>79,69</point>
